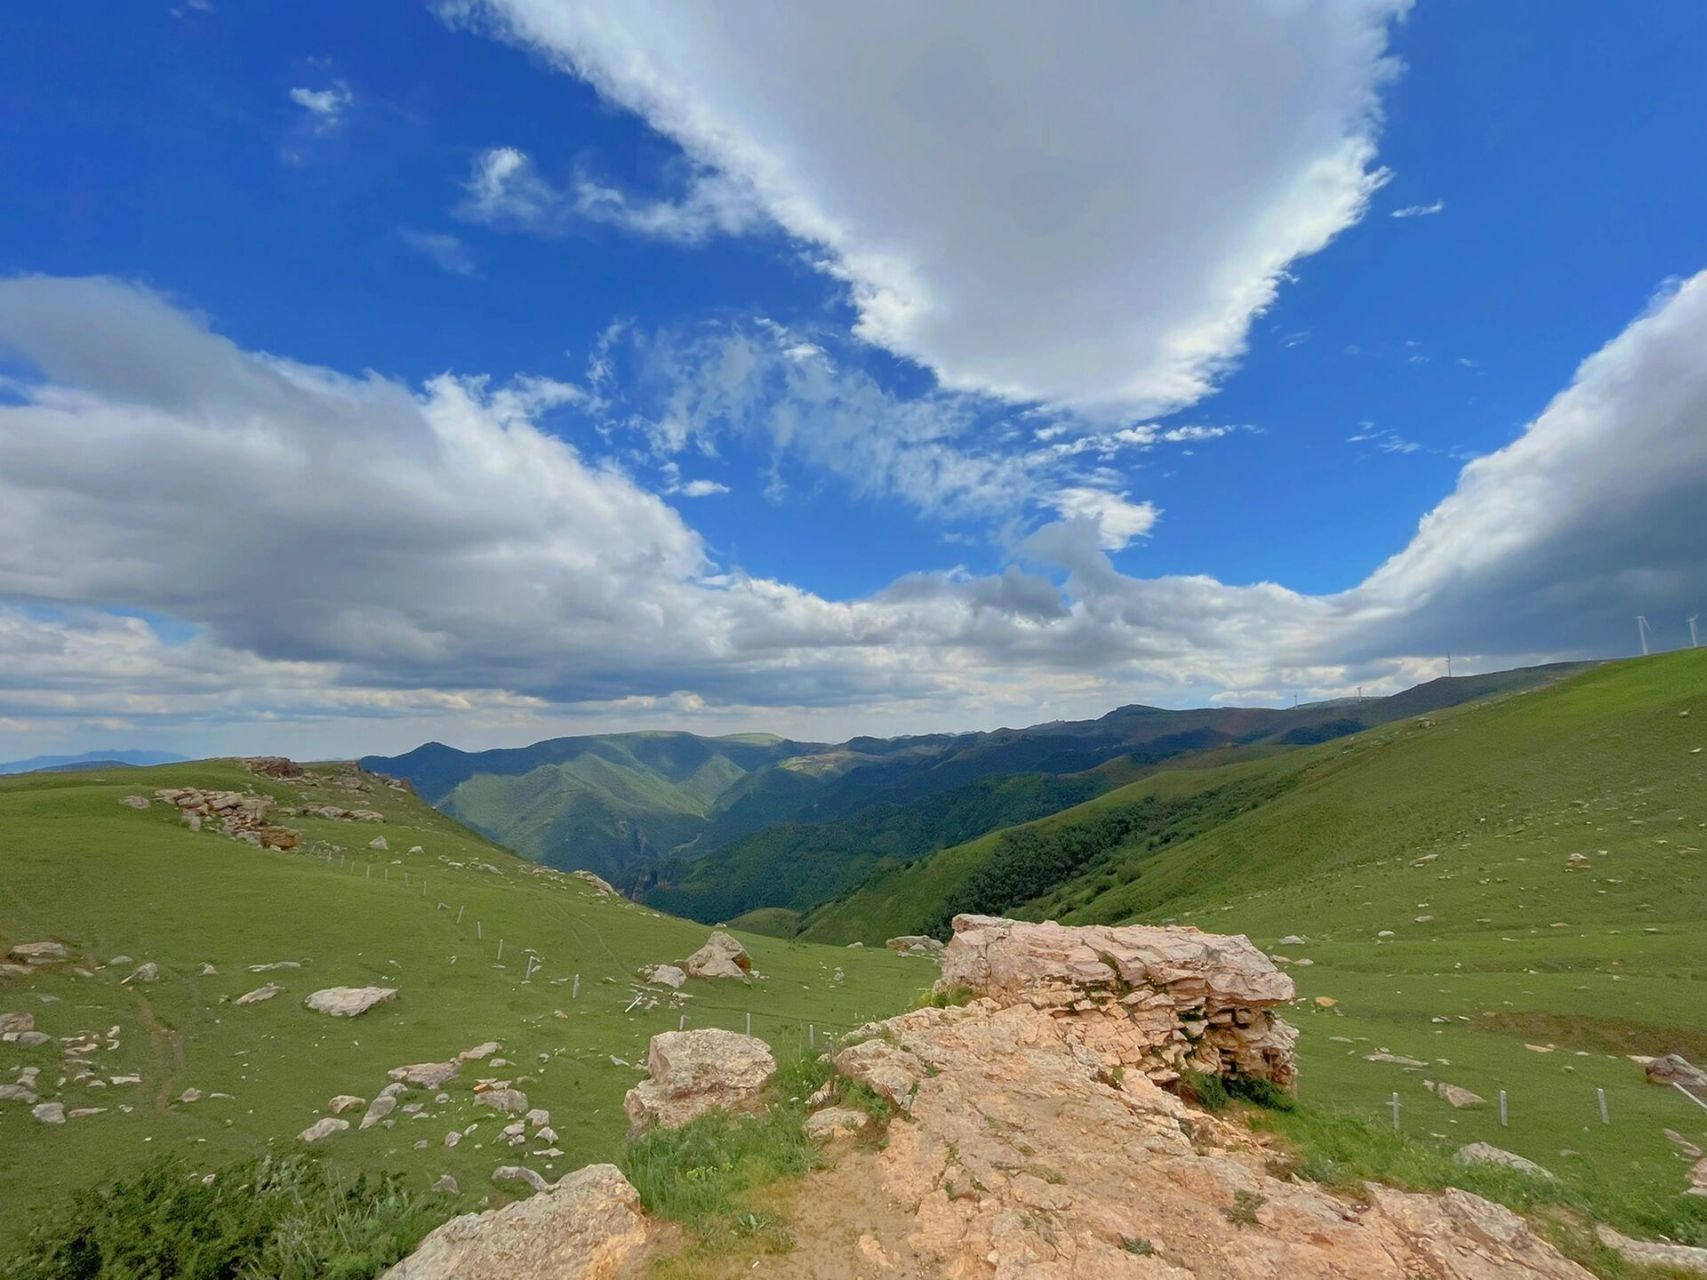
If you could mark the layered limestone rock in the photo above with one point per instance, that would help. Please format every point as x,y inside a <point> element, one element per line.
<point>691,1072</point>
<point>1139,997</point>
<point>589,1226</point>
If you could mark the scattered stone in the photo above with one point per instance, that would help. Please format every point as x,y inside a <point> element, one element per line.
<point>81,1113</point>
<point>1385,933</point>
<point>378,842</point>
<point>323,1128</point>
<point>452,1138</point>
<point>478,1051</point>
<point>49,1112</point>
<point>17,1022</point>
<point>28,1039</point>
<point>40,952</point>
<point>1675,1069</point>
<point>1648,1253</point>
<point>721,957</point>
<point>273,967</point>
<point>856,946</point>
<point>668,975</point>
<point>426,1075</point>
<point>349,1002</point>
<point>345,1102</point>
<point>447,1185</point>
<point>148,972</point>
<point>602,887</point>
<point>1293,940</point>
<point>1486,1153</point>
<point>190,1095</point>
<point>17,1093</point>
<point>378,1109</point>
<point>545,1133</point>
<point>134,802</point>
<point>259,994</point>
<point>514,1135</point>
<point>589,1225</point>
<point>539,1117</point>
<point>1398,1059</point>
<point>1454,1096</point>
<point>511,1102</point>
<point>1576,862</point>
<point>915,944</point>
<point>691,1072</point>
<point>1326,1002</point>
<point>835,1122</point>
<point>519,1173</point>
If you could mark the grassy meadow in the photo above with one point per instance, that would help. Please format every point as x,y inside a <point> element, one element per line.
<point>78,867</point>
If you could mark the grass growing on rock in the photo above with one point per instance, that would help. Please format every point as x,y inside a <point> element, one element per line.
<point>698,1174</point>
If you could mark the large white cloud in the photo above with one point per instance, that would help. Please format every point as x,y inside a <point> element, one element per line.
<point>1083,205</point>
<point>302,545</point>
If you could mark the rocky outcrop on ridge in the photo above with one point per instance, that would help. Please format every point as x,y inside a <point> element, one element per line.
<point>1023,1156</point>
<point>721,957</point>
<point>1161,1000</point>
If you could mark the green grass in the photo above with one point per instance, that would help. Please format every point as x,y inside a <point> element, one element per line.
<point>106,880</point>
<point>1470,821</point>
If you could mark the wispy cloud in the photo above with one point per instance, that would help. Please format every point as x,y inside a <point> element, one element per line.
<point>699,489</point>
<point>1381,438</point>
<point>325,107</point>
<point>1419,210</point>
<point>445,249</point>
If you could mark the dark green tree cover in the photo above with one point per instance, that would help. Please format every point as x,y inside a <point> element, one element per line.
<point>1030,861</point>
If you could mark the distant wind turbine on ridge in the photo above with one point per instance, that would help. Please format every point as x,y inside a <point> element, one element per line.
<point>1642,633</point>
<point>1693,642</point>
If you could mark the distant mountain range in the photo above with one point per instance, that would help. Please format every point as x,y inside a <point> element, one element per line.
<point>716,827</point>
<point>90,760</point>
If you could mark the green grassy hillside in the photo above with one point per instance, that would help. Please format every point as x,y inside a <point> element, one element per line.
<point>1507,967</point>
<point>78,867</point>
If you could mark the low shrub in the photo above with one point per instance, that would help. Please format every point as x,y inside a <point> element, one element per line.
<point>278,1218</point>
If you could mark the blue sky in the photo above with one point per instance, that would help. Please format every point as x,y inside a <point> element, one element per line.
<point>842,318</point>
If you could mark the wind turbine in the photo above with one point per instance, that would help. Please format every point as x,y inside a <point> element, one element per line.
<point>1642,633</point>
<point>1693,642</point>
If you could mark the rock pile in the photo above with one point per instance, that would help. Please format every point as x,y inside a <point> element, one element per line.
<point>604,888</point>
<point>271,766</point>
<point>1159,1000</point>
<point>337,813</point>
<point>241,815</point>
<point>690,1072</point>
<point>915,944</point>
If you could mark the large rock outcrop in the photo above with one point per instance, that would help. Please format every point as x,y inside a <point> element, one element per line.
<point>691,1072</point>
<point>1022,1158</point>
<point>1158,1000</point>
<point>589,1226</point>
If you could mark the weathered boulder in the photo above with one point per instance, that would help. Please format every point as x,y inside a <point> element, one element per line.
<point>588,1226</point>
<point>667,975</point>
<point>479,1051</point>
<point>40,952</point>
<point>885,1068</point>
<point>19,1092</point>
<point>1650,1253</point>
<point>1455,1096</point>
<point>266,992</point>
<point>49,1112</point>
<point>345,1102</point>
<point>835,1122</point>
<point>379,1109</point>
<point>692,1072</point>
<point>271,766</point>
<point>323,1128</point>
<point>349,1002</point>
<point>1487,1153</point>
<point>915,944</point>
<point>1159,999</point>
<point>378,842</point>
<point>721,957</point>
<point>17,1022</point>
<point>520,1173</point>
<point>145,972</point>
<point>512,1102</point>
<point>426,1075</point>
<point>1674,1068</point>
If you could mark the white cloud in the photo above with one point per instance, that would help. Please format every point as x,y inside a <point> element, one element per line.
<point>328,554</point>
<point>443,248</point>
<point>1117,521</point>
<point>1419,210</point>
<point>700,489</point>
<point>325,106</point>
<point>1084,207</point>
<point>505,188</point>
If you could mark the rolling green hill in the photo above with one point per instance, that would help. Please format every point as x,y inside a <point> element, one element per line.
<point>428,916</point>
<point>716,827</point>
<point>1429,866</point>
